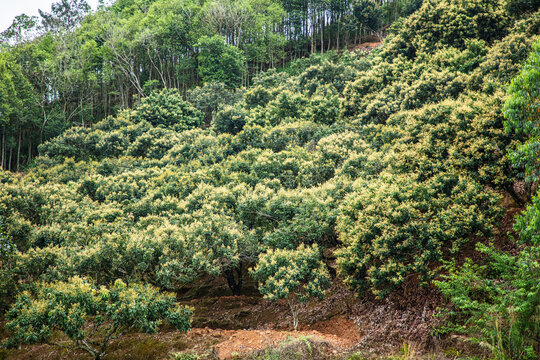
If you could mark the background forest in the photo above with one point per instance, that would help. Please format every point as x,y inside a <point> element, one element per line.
<point>154,144</point>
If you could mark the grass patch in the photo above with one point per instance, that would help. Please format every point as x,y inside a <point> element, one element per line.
<point>146,348</point>
<point>296,348</point>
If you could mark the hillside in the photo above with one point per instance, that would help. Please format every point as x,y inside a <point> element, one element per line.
<point>338,194</point>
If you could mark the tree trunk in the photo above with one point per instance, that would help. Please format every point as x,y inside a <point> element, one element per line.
<point>3,163</point>
<point>235,284</point>
<point>518,199</point>
<point>312,34</point>
<point>322,33</point>
<point>82,112</point>
<point>19,151</point>
<point>10,157</point>
<point>294,311</point>
<point>337,35</point>
<point>43,125</point>
<point>29,151</point>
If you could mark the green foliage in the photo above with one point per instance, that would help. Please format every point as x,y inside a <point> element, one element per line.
<point>411,6</point>
<point>324,107</point>
<point>91,316</point>
<point>230,119</point>
<point>214,243</point>
<point>78,67</point>
<point>452,22</point>
<point>498,302</point>
<point>210,97</point>
<point>296,275</point>
<point>522,111</point>
<point>368,13</point>
<point>220,62</point>
<point>184,356</point>
<point>65,14</point>
<point>7,282</point>
<point>7,248</point>
<point>419,124</point>
<point>517,7</point>
<point>394,227</point>
<point>167,108</point>
<point>17,108</point>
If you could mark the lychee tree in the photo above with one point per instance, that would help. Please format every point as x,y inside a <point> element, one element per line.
<point>296,275</point>
<point>90,315</point>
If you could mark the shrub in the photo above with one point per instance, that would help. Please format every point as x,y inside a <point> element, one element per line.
<point>522,111</point>
<point>184,356</point>
<point>167,108</point>
<point>498,302</point>
<point>452,22</point>
<point>7,248</point>
<point>517,7</point>
<point>220,246</point>
<point>230,119</point>
<point>210,97</point>
<point>7,281</point>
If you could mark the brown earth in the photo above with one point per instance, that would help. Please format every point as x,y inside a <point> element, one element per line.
<point>245,342</point>
<point>206,342</point>
<point>366,46</point>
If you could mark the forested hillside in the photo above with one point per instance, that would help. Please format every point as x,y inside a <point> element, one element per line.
<point>73,67</point>
<point>156,146</point>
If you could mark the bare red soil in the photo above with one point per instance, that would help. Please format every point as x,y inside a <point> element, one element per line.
<point>366,46</point>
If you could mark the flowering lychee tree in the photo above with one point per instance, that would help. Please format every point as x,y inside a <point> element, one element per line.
<point>90,315</point>
<point>7,248</point>
<point>296,275</point>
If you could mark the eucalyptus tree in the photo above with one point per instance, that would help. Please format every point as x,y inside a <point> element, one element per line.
<point>65,14</point>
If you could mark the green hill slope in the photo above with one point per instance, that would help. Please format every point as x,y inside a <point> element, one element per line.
<point>391,161</point>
